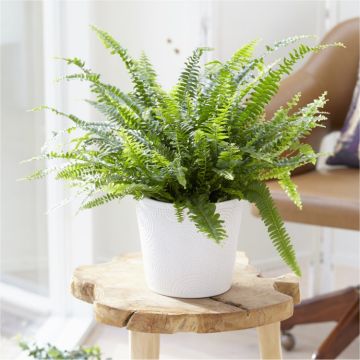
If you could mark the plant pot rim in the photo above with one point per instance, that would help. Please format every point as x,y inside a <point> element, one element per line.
<point>228,204</point>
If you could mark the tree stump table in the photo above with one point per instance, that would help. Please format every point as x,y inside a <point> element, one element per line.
<point>120,297</point>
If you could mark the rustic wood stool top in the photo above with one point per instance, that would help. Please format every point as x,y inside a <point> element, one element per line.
<point>121,298</point>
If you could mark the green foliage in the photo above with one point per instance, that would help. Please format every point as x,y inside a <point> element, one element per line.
<point>51,352</point>
<point>203,142</point>
<point>260,195</point>
<point>204,215</point>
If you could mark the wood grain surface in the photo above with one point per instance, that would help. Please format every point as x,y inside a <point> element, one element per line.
<point>121,298</point>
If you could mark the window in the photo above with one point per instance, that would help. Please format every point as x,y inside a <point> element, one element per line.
<point>38,251</point>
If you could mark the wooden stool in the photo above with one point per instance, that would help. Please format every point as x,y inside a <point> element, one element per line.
<point>121,298</point>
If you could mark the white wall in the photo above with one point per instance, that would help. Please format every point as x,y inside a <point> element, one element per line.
<point>238,22</point>
<point>340,10</point>
<point>147,26</point>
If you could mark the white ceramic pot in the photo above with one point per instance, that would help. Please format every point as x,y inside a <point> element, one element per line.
<point>179,261</point>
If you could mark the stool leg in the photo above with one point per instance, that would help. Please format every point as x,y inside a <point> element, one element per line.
<point>144,345</point>
<point>269,341</point>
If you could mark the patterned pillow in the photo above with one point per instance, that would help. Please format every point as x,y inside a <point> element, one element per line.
<point>347,151</point>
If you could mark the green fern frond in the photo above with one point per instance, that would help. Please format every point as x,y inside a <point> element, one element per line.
<point>179,211</point>
<point>269,84</point>
<point>287,42</point>
<point>180,171</point>
<point>266,174</point>
<point>147,71</point>
<point>99,201</point>
<point>226,174</point>
<point>290,189</point>
<point>188,81</point>
<point>206,220</point>
<point>234,193</point>
<point>138,191</point>
<point>229,158</point>
<point>202,155</point>
<point>215,95</point>
<point>75,171</point>
<point>242,56</point>
<point>100,129</point>
<point>38,174</point>
<point>259,194</point>
<point>142,88</point>
<point>216,128</point>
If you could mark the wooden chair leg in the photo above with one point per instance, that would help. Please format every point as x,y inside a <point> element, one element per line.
<point>328,307</point>
<point>344,333</point>
<point>269,341</point>
<point>144,345</point>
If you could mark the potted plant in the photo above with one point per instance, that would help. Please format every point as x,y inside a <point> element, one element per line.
<point>189,156</point>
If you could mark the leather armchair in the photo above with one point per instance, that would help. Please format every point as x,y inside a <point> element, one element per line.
<point>330,197</point>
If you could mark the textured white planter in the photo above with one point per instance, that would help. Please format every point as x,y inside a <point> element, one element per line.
<point>179,261</point>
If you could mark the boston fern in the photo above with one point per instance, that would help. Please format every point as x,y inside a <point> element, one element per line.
<point>204,142</point>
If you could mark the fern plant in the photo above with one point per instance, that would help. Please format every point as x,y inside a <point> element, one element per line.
<point>205,141</point>
<point>51,352</point>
